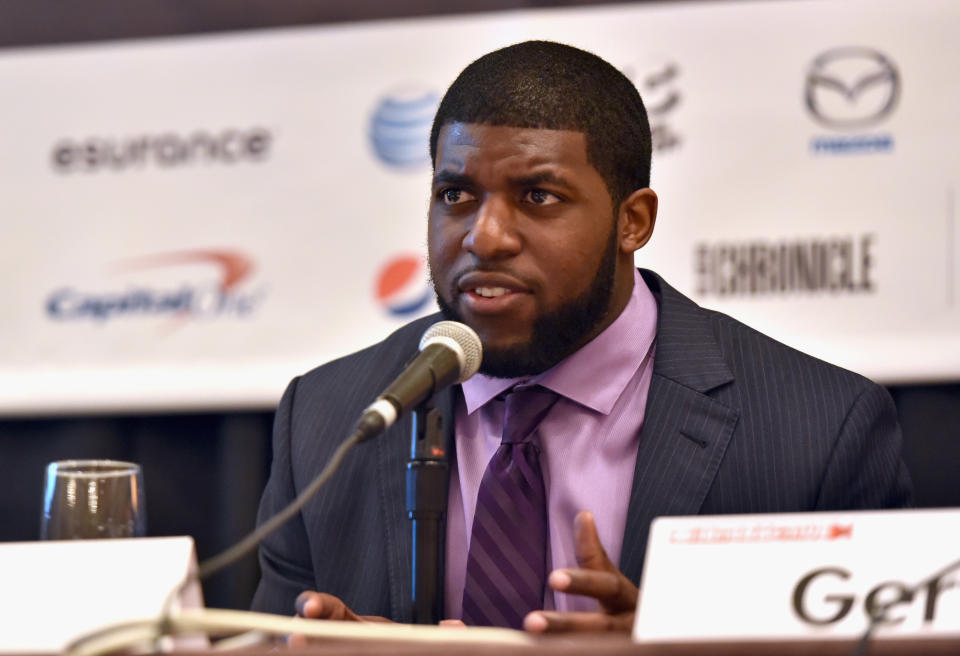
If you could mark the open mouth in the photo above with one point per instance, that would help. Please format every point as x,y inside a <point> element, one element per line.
<point>490,292</point>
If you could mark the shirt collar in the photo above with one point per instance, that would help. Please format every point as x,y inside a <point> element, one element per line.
<point>595,375</point>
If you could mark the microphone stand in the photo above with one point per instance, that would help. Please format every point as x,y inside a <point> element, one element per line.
<point>427,482</point>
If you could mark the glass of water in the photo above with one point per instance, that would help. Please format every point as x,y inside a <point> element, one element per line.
<point>85,499</point>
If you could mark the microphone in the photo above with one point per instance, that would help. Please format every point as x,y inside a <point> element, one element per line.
<point>450,352</point>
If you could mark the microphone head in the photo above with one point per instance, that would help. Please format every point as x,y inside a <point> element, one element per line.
<point>461,339</point>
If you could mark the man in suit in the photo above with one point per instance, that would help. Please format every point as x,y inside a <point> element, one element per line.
<point>652,405</point>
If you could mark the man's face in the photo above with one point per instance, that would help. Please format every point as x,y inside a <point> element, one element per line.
<point>523,245</point>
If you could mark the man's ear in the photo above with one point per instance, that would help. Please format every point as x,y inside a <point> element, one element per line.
<point>638,214</point>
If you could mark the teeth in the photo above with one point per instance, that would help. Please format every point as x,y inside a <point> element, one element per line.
<point>490,292</point>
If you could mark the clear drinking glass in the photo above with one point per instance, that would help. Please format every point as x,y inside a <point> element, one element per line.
<point>93,499</point>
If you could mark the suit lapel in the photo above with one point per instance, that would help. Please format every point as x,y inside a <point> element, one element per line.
<point>685,432</point>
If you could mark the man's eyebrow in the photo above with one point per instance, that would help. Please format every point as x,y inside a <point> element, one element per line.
<point>451,178</point>
<point>544,177</point>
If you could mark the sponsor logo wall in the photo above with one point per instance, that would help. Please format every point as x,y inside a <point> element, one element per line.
<point>190,222</point>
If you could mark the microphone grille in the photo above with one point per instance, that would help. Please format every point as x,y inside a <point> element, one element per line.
<point>462,336</point>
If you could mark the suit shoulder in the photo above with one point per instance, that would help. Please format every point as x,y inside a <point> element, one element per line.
<point>709,348</point>
<point>753,355</point>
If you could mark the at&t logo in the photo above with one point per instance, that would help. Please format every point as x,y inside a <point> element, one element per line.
<point>400,127</point>
<point>402,288</point>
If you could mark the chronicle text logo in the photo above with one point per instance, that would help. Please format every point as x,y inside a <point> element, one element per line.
<point>818,265</point>
<point>167,150</point>
<point>223,292</point>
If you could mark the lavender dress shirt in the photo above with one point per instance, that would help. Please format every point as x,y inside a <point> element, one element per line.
<point>588,444</point>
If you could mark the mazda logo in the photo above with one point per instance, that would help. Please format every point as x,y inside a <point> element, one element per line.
<point>851,87</point>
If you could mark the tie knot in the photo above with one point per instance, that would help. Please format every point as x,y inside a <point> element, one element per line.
<point>525,409</point>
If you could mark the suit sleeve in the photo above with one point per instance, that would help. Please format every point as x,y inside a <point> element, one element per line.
<point>866,469</point>
<point>285,566</point>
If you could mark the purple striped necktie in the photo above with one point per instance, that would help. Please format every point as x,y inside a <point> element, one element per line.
<point>507,559</point>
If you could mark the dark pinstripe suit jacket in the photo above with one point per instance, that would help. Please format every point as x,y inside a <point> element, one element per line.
<point>735,422</point>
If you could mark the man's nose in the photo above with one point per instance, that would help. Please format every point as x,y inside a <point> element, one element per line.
<point>493,234</point>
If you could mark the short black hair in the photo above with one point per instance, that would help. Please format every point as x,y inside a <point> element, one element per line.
<point>542,84</point>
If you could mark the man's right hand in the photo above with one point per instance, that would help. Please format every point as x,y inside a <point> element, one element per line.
<point>323,606</point>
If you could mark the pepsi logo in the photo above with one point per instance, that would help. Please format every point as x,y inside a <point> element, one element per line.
<point>402,288</point>
<point>400,127</point>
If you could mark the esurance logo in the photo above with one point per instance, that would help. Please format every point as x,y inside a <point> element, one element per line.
<point>210,284</point>
<point>850,89</point>
<point>402,288</point>
<point>400,127</point>
<point>165,151</point>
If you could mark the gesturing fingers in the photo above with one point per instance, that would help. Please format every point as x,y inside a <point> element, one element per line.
<point>548,621</point>
<point>612,589</point>
<point>587,548</point>
<point>597,577</point>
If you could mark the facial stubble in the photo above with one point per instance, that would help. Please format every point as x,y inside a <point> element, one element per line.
<point>556,334</point>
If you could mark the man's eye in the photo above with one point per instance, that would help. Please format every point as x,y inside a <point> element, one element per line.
<point>541,197</point>
<point>454,196</point>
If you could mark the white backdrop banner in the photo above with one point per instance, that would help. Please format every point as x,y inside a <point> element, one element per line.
<point>189,222</point>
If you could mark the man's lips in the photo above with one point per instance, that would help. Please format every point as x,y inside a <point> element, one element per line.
<point>491,293</point>
<point>489,280</point>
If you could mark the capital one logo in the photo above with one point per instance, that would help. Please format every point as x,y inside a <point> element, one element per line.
<point>851,87</point>
<point>205,297</point>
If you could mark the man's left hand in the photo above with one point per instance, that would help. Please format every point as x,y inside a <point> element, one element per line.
<point>596,577</point>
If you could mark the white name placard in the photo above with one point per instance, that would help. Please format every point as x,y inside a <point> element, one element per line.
<point>55,591</point>
<point>801,576</point>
